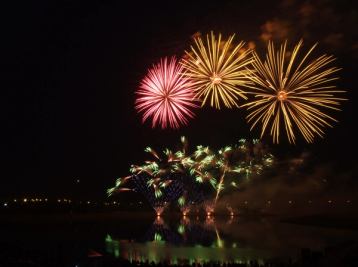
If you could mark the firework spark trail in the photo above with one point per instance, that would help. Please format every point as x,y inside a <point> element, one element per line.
<point>166,95</point>
<point>217,70</point>
<point>294,92</point>
<point>191,179</point>
<point>220,185</point>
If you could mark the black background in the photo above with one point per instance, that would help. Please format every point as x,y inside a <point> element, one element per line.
<point>70,70</point>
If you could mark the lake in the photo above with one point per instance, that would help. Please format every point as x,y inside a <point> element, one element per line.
<point>104,239</point>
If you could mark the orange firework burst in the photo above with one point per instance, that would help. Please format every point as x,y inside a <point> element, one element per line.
<point>217,70</point>
<point>293,92</point>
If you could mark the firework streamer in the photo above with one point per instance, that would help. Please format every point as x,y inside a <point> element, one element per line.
<point>217,69</point>
<point>166,95</point>
<point>292,92</point>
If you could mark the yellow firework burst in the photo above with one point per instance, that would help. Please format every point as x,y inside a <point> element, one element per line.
<point>218,70</point>
<point>292,91</point>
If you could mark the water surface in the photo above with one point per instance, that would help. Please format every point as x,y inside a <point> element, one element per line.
<point>58,240</point>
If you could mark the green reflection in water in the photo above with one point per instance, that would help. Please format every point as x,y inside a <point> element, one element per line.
<point>158,237</point>
<point>223,241</point>
<point>112,246</point>
<point>159,251</point>
<point>181,229</point>
<point>219,241</point>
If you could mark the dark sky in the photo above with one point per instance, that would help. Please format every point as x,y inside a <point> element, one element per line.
<point>71,68</point>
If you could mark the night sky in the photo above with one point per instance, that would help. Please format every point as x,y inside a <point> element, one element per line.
<point>71,69</point>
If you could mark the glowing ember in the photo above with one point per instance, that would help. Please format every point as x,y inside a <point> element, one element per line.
<point>282,95</point>
<point>159,211</point>
<point>209,207</point>
<point>185,210</point>
<point>215,79</point>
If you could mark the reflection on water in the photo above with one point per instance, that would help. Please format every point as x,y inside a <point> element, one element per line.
<point>105,239</point>
<point>234,240</point>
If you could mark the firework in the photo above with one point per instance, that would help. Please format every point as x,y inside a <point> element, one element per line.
<point>218,70</point>
<point>174,167</point>
<point>159,210</point>
<point>165,95</point>
<point>185,210</point>
<point>191,179</point>
<point>159,192</point>
<point>158,221</point>
<point>231,211</point>
<point>292,91</point>
<point>181,229</point>
<point>209,207</point>
<point>230,164</point>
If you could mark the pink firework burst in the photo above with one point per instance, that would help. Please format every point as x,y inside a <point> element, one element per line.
<point>166,95</point>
